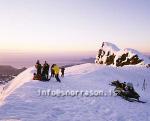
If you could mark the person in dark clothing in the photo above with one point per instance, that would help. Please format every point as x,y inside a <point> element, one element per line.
<point>45,72</point>
<point>36,77</point>
<point>62,71</point>
<point>57,78</point>
<point>43,77</point>
<point>103,44</point>
<point>38,66</point>
<point>52,70</point>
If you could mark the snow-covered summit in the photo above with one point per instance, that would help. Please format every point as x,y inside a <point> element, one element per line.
<point>110,54</point>
<point>23,103</point>
<point>109,47</point>
<point>133,52</point>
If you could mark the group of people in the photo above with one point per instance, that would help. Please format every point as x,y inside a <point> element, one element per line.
<point>43,72</point>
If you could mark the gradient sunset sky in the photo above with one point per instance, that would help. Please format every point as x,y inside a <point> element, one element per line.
<point>53,26</point>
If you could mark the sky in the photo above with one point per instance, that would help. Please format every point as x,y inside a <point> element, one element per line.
<point>68,27</point>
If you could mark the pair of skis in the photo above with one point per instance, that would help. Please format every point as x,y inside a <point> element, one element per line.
<point>134,100</point>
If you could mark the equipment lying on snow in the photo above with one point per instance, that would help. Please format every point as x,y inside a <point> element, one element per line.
<point>40,77</point>
<point>126,91</point>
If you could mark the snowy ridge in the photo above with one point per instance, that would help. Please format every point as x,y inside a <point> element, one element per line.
<point>133,52</point>
<point>24,104</point>
<point>110,47</point>
<point>21,79</point>
<point>110,54</point>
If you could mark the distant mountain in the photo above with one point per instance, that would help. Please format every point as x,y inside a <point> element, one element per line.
<point>110,54</point>
<point>148,56</point>
<point>88,60</point>
<point>9,70</point>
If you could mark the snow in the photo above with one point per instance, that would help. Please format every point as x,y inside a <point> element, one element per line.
<point>107,47</point>
<point>22,102</point>
<point>110,47</point>
<point>113,49</point>
<point>16,83</point>
<point>133,52</point>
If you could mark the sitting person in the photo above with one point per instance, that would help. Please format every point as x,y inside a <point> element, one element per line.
<point>130,92</point>
<point>36,77</point>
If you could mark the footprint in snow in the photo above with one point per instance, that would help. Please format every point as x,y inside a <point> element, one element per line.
<point>58,111</point>
<point>107,111</point>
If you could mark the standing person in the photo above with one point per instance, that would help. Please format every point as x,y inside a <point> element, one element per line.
<point>45,71</point>
<point>52,71</point>
<point>38,66</point>
<point>56,72</point>
<point>62,71</point>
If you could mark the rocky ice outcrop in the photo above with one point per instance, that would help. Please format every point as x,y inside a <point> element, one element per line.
<point>110,54</point>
